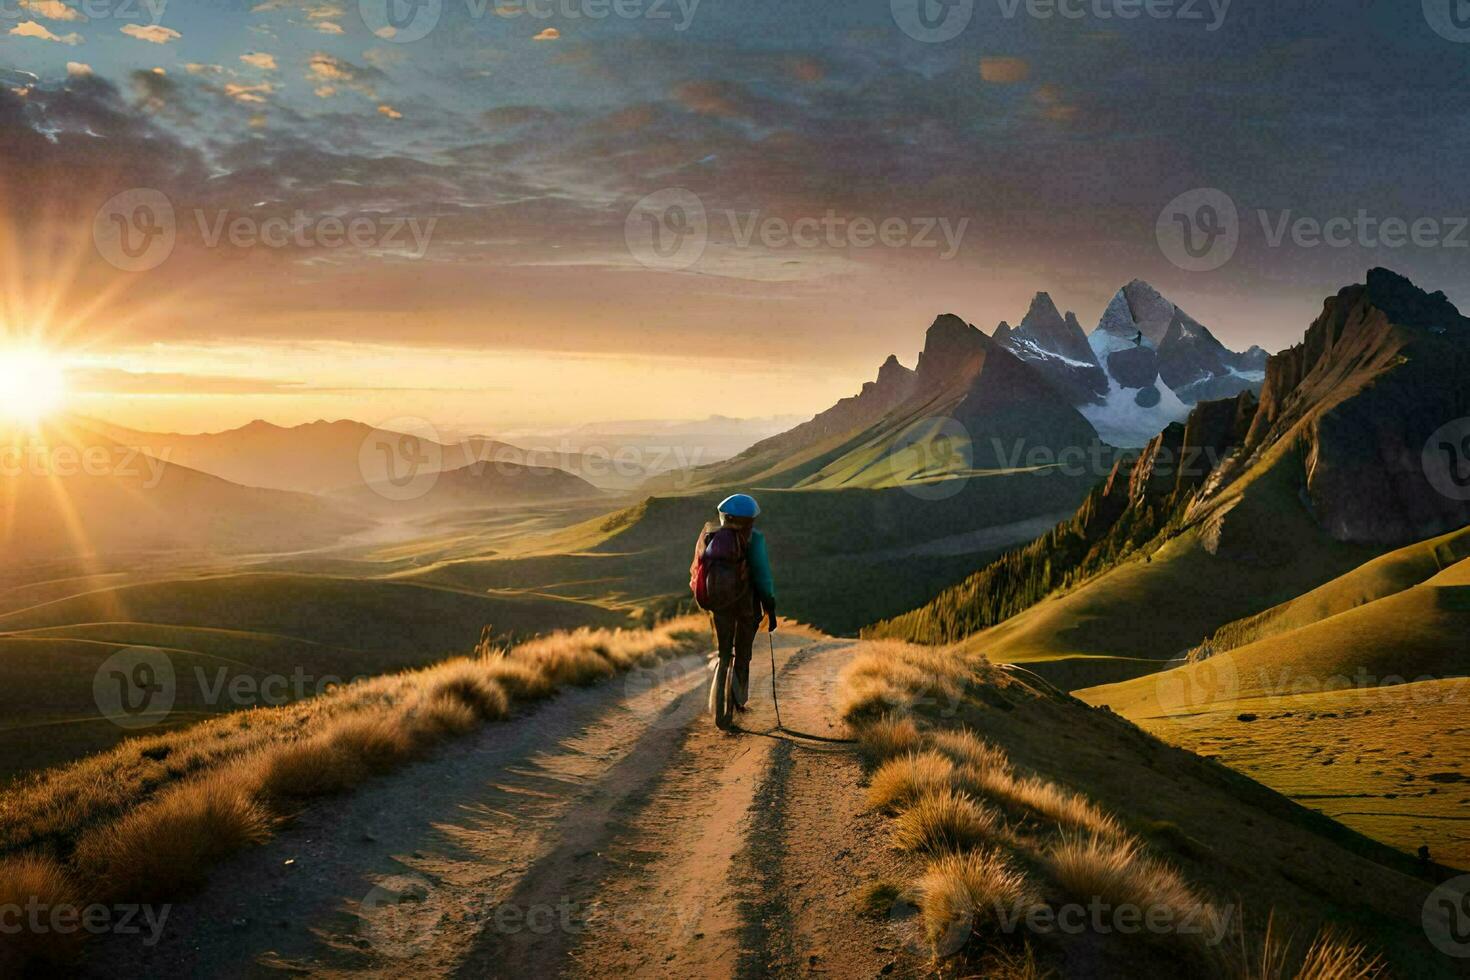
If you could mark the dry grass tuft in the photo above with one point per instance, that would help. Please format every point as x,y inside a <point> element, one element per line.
<point>40,880</point>
<point>968,749</point>
<point>1041,799</point>
<point>378,743</point>
<point>888,737</point>
<point>899,782</point>
<point>900,678</point>
<point>1331,956</point>
<point>876,899</point>
<point>962,893</point>
<point>162,850</point>
<point>466,681</point>
<point>944,820</point>
<point>1118,874</point>
<point>524,682</point>
<point>446,716</point>
<point>308,769</point>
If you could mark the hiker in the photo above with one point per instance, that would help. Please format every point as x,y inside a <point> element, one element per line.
<point>731,577</point>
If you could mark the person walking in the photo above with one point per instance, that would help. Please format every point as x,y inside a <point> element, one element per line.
<point>731,578</point>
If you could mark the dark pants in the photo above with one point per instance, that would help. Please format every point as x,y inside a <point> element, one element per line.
<point>736,636</point>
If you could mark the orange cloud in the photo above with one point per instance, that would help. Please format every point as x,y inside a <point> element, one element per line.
<point>550,34</point>
<point>1004,71</point>
<point>153,33</point>
<point>29,28</point>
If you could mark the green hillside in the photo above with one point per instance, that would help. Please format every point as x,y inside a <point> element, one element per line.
<point>842,557</point>
<point>299,629</point>
<point>1359,714</point>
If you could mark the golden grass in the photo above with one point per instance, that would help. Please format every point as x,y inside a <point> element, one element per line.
<point>308,769</point>
<point>147,821</point>
<point>892,678</point>
<point>888,737</point>
<point>899,782</point>
<point>165,848</point>
<point>939,821</point>
<point>968,749</point>
<point>1331,956</point>
<point>876,899</point>
<point>1119,874</point>
<point>466,681</point>
<point>39,881</point>
<point>960,894</point>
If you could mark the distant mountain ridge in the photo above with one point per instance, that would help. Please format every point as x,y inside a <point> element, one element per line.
<point>1143,366</point>
<point>1247,503</point>
<point>325,457</point>
<point>968,404</point>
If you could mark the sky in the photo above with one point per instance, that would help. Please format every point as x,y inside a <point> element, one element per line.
<point>502,215</point>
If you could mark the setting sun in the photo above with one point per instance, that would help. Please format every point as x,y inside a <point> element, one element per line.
<point>32,384</point>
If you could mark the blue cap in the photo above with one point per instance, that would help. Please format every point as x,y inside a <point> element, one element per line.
<point>740,505</point>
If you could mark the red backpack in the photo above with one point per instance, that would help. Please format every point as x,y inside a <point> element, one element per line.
<point>720,575</point>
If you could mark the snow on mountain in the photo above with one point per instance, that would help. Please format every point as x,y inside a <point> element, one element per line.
<point>1144,366</point>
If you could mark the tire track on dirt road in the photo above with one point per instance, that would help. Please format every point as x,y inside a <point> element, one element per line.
<point>611,830</point>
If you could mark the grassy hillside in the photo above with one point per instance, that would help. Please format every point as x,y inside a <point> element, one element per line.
<point>1377,579</point>
<point>842,557</point>
<point>149,820</point>
<point>122,502</point>
<point>1359,714</point>
<point>301,630</point>
<point>1010,794</point>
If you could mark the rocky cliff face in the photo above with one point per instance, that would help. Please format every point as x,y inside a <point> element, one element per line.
<point>1354,406</point>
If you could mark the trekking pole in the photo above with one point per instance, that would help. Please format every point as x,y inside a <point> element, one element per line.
<point>772,640</point>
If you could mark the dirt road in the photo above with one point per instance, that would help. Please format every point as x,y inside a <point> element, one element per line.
<point>611,832</point>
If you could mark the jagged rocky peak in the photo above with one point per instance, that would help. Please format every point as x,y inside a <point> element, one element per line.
<point>1406,305</point>
<point>893,374</point>
<point>951,347</point>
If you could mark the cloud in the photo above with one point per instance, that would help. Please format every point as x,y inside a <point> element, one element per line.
<point>261,60</point>
<point>152,33</point>
<point>29,28</point>
<point>51,9</point>
<point>550,34</point>
<point>329,27</point>
<point>250,94</point>
<point>721,99</point>
<point>77,69</point>
<point>389,111</point>
<point>1004,71</point>
<point>332,73</point>
<point>195,68</point>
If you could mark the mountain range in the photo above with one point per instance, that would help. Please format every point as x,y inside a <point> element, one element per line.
<point>969,405</point>
<point>1143,366</point>
<point>1248,503</point>
<point>325,457</point>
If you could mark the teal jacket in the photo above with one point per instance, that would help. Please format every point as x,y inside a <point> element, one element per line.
<point>760,570</point>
